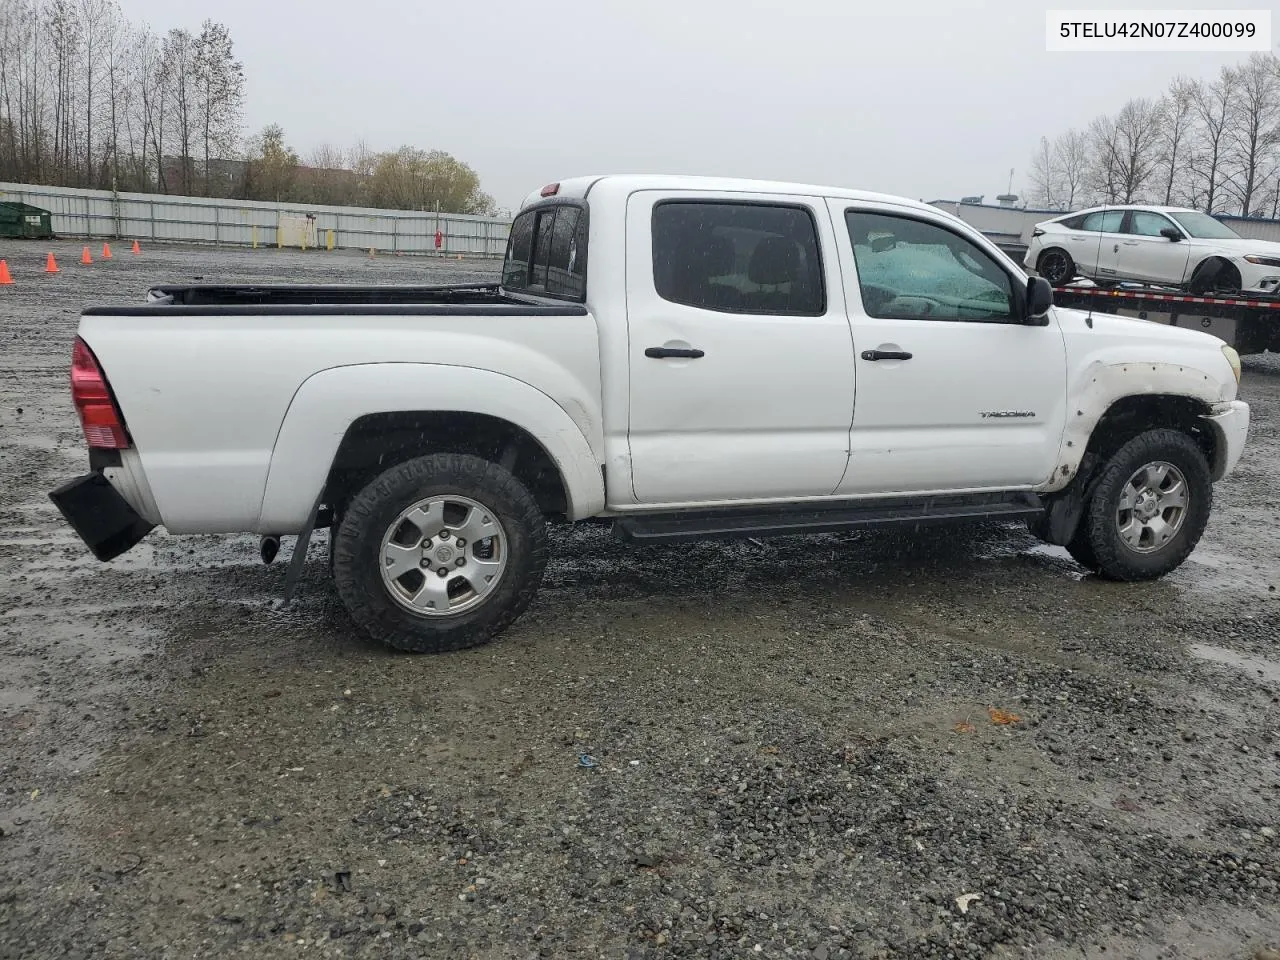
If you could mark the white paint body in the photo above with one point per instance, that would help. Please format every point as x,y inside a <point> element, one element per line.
<point>1132,249</point>
<point>236,419</point>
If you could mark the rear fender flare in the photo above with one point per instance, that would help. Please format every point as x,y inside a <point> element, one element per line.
<point>328,402</point>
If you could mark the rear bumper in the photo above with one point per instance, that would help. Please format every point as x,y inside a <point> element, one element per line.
<point>1230,422</point>
<point>102,518</point>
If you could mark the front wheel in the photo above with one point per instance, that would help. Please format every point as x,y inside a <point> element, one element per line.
<point>439,553</point>
<point>1149,508</point>
<point>1215,276</point>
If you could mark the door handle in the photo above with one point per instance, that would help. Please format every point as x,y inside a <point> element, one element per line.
<point>659,353</point>
<point>885,355</point>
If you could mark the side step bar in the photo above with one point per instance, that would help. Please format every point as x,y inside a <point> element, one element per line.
<point>794,519</point>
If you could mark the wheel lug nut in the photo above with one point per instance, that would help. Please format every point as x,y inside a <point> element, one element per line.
<point>461,543</point>
<point>443,571</point>
<point>460,562</point>
<point>444,534</point>
<point>426,562</point>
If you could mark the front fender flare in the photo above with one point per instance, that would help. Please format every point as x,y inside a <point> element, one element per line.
<point>328,402</point>
<point>1107,383</point>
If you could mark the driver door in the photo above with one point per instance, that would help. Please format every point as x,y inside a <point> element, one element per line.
<point>953,393</point>
<point>1146,254</point>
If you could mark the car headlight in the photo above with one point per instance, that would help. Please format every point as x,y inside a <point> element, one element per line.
<point>1263,261</point>
<point>1233,358</point>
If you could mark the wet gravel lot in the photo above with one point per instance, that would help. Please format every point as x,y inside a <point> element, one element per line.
<point>870,745</point>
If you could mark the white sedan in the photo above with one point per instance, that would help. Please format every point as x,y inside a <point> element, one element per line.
<point>1168,246</point>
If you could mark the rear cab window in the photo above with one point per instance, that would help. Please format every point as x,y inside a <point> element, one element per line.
<point>547,252</point>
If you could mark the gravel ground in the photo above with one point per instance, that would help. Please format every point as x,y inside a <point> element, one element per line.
<point>797,741</point>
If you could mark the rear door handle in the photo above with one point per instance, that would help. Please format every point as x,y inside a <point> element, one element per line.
<point>659,353</point>
<point>885,355</point>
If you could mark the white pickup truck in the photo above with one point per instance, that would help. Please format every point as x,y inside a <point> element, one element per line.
<point>681,357</point>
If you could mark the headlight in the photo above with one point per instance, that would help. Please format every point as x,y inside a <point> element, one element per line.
<point>1263,261</point>
<point>1233,358</point>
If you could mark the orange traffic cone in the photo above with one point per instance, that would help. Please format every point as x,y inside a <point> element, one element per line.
<point>136,248</point>
<point>84,257</point>
<point>5,279</point>
<point>51,265</point>
<point>106,251</point>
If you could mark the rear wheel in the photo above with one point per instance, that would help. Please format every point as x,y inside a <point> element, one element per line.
<point>1056,266</point>
<point>439,553</point>
<point>1148,509</point>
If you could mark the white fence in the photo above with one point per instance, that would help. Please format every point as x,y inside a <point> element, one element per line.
<point>1011,224</point>
<point>145,216</point>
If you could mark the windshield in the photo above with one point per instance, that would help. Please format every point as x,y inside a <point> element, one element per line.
<point>1204,227</point>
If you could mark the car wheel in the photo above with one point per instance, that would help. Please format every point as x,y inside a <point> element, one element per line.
<point>1215,276</point>
<point>1149,507</point>
<point>1056,266</point>
<point>439,553</point>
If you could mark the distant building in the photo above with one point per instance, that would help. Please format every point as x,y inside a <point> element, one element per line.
<point>224,178</point>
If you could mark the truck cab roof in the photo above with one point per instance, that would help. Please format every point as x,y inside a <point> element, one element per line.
<point>581,187</point>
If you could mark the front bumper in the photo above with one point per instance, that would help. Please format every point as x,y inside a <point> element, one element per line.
<point>1230,422</point>
<point>1257,278</point>
<point>103,519</point>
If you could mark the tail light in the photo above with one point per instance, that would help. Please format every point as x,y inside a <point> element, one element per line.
<point>102,423</point>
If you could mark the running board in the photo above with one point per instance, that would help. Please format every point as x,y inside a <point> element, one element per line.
<point>796,519</point>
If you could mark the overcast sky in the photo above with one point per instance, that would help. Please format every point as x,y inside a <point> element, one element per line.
<point>931,99</point>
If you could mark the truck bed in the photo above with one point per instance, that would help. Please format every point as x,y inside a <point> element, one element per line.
<point>212,299</point>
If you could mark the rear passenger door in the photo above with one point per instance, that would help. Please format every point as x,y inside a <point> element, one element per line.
<point>1096,249</point>
<point>741,359</point>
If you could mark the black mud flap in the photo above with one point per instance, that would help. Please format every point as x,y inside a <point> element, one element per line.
<point>103,519</point>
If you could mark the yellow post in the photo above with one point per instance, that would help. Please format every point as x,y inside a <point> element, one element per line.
<point>254,231</point>
<point>330,240</point>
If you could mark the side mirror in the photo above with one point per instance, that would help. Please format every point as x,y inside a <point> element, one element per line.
<point>1173,233</point>
<point>881,244</point>
<point>1039,300</point>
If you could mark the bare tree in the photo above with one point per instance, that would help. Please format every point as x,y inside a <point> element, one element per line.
<point>1071,154</point>
<point>1252,130</point>
<point>153,101</point>
<point>1125,151</point>
<point>1213,104</point>
<point>219,81</point>
<point>1045,177</point>
<point>179,74</point>
<point>1174,135</point>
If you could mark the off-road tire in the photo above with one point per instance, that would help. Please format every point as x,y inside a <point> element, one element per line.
<point>1081,549</point>
<point>357,546</point>
<point>1099,529</point>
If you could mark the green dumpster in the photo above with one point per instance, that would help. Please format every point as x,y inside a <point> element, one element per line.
<point>24,220</point>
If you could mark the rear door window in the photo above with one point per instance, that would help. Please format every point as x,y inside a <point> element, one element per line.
<point>738,257</point>
<point>1103,221</point>
<point>547,253</point>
